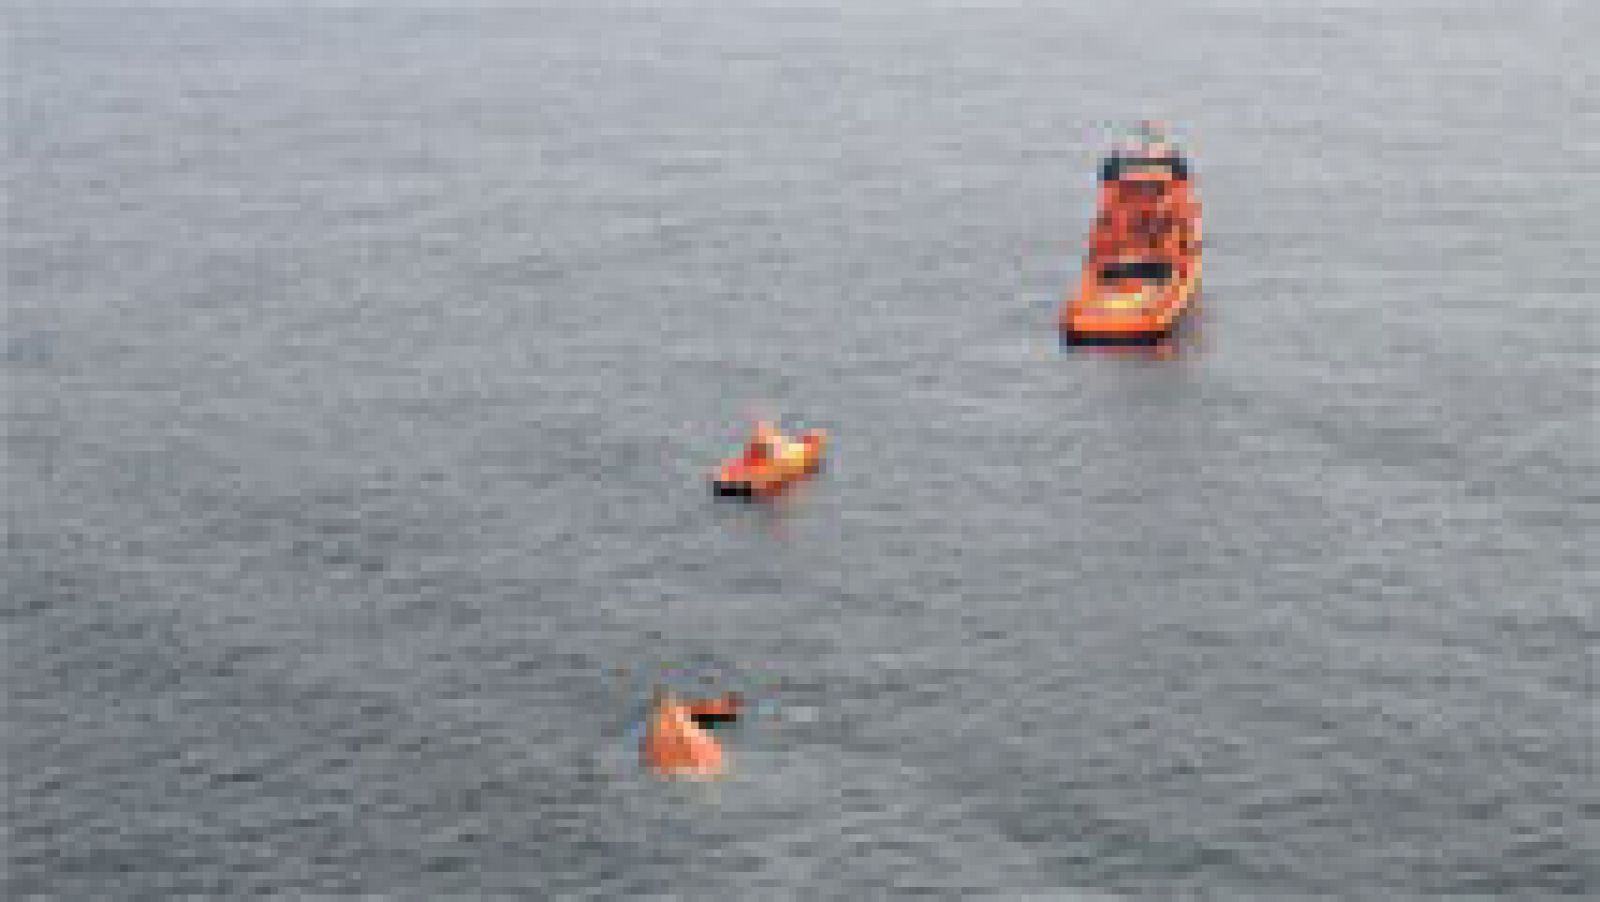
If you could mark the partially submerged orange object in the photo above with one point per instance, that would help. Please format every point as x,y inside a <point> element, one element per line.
<point>1142,270</point>
<point>770,463</point>
<point>674,745</point>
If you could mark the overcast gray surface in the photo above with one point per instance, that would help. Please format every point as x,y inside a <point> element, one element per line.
<point>364,366</point>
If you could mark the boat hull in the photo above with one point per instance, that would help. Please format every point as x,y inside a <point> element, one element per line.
<point>1093,317</point>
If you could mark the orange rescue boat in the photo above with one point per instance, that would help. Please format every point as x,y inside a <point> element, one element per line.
<point>1142,270</point>
<point>770,463</point>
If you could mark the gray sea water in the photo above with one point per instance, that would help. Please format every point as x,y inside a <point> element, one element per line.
<point>364,364</point>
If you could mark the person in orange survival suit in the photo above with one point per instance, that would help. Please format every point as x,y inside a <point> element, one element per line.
<point>1148,227</point>
<point>1165,227</point>
<point>1114,231</point>
<point>765,441</point>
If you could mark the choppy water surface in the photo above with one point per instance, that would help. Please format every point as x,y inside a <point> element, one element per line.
<point>363,367</point>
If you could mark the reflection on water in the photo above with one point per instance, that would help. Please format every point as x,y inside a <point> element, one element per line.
<point>772,513</point>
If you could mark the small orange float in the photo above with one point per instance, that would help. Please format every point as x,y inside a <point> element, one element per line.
<point>770,463</point>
